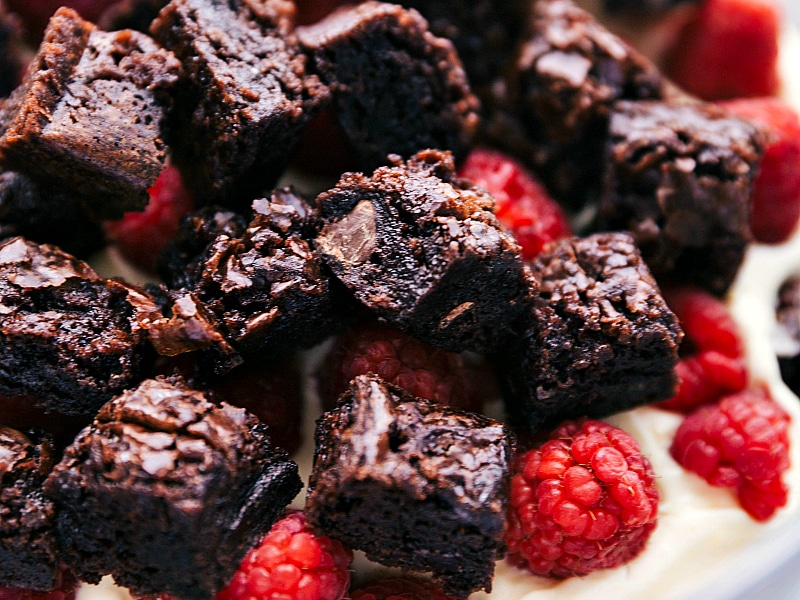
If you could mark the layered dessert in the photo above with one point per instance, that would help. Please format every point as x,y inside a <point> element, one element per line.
<point>410,279</point>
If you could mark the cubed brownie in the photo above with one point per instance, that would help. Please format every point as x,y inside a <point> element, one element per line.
<point>397,88</point>
<point>552,111</point>
<point>679,177</point>
<point>246,96</point>
<point>45,214</point>
<point>268,289</point>
<point>413,483</point>
<point>423,251</point>
<point>71,339</point>
<point>786,339</point>
<point>88,116</point>
<point>601,339</point>
<point>167,492</point>
<point>10,57</point>
<point>29,556</point>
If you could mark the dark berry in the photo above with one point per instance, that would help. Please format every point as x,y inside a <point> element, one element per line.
<point>712,361</point>
<point>742,442</point>
<point>140,237</point>
<point>400,588</point>
<point>776,192</point>
<point>422,370</point>
<point>585,500</point>
<point>292,563</point>
<point>521,202</point>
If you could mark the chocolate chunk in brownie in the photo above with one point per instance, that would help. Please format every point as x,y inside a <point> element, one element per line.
<point>397,88</point>
<point>246,96</point>
<point>679,177</point>
<point>268,289</point>
<point>45,214</point>
<point>552,110</point>
<point>131,14</point>
<point>423,251</point>
<point>88,116</point>
<point>10,57</point>
<point>167,492</point>
<point>29,556</point>
<point>601,338</point>
<point>786,339</point>
<point>71,339</point>
<point>413,483</point>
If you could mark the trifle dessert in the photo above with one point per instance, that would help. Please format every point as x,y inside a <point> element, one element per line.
<point>495,287</point>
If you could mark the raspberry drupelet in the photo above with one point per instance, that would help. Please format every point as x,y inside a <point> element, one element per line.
<point>742,442</point>
<point>292,563</point>
<point>586,500</point>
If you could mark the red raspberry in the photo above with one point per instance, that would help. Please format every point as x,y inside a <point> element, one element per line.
<point>729,50</point>
<point>400,588</point>
<point>743,443</point>
<point>66,588</point>
<point>585,500</point>
<point>292,563</point>
<point>712,362</point>
<point>422,370</point>
<point>141,236</point>
<point>776,194</point>
<point>521,202</point>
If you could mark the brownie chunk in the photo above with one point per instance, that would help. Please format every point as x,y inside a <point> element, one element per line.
<point>552,111</point>
<point>397,89</point>
<point>413,483</point>
<point>29,555</point>
<point>88,116</point>
<point>786,339</point>
<point>47,215</point>
<point>71,339</point>
<point>268,289</point>
<point>601,338</point>
<point>679,177</point>
<point>246,97</point>
<point>203,484</point>
<point>423,251</point>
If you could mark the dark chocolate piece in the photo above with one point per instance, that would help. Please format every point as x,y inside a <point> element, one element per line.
<point>413,483</point>
<point>679,177</point>
<point>246,97</point>
<point>552,110</point>
<point>71,339</point>
<point>167,492</point>
<point>601,338</point>
<point>45,214</point>
<point>29,555</point>
<point>397,89</point>
<point>423,251</point>
<point>88,116</point>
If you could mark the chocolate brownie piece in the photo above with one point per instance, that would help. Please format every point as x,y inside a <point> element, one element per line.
<point>601,339</point>
<point>423,251</point>
<point>167,492</point>
<point>268,289</point>
<point>679,177</point>
<point>413,483</point>
<point>29,555</point>
<point>44,213</point>
<point>552,111</point>
<point>397,89</point>
<point>70,339</point>
<point>10,58</point>
<point>786,339</point>
<point>88,116</point>
<point>246,96</point>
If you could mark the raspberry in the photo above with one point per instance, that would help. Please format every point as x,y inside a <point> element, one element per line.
<point>729,50</point>
<point>521,202</point>
<point>585,500</point>
<point>66,589</point>
<point>742,442</point>
<point>140,237</point>
<point>292,563</point>
<point>422,370</point>
<point>400,588</point>
<point>712,363</point>
<point>776,193</point>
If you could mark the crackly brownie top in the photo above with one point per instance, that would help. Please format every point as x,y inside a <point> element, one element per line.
<point>381,433</point>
